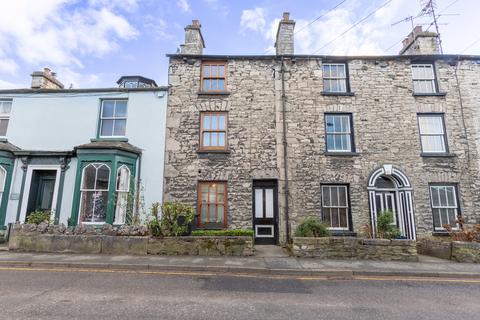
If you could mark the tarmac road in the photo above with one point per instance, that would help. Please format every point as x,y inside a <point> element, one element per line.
<point>49,293</point>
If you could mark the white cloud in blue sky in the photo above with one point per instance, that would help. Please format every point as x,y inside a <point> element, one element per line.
<point>93,42</point>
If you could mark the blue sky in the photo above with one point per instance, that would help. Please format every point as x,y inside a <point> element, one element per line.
<point>91,43</point>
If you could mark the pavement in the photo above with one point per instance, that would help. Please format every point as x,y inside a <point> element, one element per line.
<point>268,260</point>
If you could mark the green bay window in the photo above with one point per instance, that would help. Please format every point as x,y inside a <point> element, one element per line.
<point>104,186</point>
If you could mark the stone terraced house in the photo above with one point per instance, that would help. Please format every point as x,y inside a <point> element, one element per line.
<point>81,153</point>
<point>265,141</point>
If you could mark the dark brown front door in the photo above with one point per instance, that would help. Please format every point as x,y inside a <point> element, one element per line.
<point>265,212</point>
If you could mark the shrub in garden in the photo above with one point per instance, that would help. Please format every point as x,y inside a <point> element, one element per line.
<point>175,220</point>
<point>463,233</point>
<point>385,228</point>
<point>38,216</point>
<point>312,227</point>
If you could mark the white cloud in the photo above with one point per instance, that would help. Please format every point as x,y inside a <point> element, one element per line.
<point>10,85</point>
<point>253,19</point>
<point>51,33</point>
<point>183,5</point>
<point>8,66</point>
<point>376,35</point>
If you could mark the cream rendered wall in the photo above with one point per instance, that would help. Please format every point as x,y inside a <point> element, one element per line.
<point>61,121</point>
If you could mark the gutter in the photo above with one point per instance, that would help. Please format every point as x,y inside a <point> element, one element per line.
<point>285,146</point>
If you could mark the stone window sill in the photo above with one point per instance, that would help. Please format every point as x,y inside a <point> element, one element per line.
<point>208,93</point>
<point>438,155</point>
<point>341,94</point>
<point>342,154</point>
<point>120,139</point>
<point>203,151</point>
<point>440,233</point>
<point>343,233</point>
<point>432,94</point>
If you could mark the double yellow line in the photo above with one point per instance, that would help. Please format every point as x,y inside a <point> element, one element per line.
<point>243,275</point>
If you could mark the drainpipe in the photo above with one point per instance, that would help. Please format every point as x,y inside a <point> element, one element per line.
<point>285,159</point>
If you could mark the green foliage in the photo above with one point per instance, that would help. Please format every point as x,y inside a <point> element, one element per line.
<point>312,227</point>
<point>385,228</point>
<point>38,216</point>
<point>176,219</point>
<point>223,233</point>
<point>154,224</point>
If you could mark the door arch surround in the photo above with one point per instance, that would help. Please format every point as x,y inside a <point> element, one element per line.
<point>389,182</point>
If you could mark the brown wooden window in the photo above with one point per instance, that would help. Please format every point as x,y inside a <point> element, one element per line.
<point>214,77</point>
<point>213,130</point>
<point>212,204</point>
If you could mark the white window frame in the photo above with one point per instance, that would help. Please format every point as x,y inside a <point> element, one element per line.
<point>5,116</point>
<point>431,79</point>
<point>120,192</point>
<point>347,211</point>
<point>113,117</point>
<point>443,134</point>
<point>335,78</point>
<point>99,164</point>
<point>335,133</point>
<point>454,225</point>
<point>2,183</point>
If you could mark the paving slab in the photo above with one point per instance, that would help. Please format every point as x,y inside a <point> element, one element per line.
<point>267,265</point>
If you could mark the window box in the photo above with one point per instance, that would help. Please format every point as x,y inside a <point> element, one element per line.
<point>203,151</point>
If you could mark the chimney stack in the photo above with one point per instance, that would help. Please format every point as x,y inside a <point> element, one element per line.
<point>420,42</point>
<point>194,43</point>
<point>45,79</point>
<point>284,43</point>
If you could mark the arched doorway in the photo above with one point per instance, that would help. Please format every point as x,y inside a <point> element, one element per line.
<point>390,189</point>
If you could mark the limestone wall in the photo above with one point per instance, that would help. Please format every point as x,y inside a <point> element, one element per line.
<point>355,248</point>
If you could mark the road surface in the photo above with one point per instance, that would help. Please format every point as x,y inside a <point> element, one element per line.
<point>28,293</point>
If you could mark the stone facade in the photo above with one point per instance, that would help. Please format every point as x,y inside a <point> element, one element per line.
<point>384,112</point>
<point>355,248</point>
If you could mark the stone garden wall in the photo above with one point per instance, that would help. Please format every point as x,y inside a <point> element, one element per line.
<point>452,250</point>
<point>126,240</point>
<point>355,248</point>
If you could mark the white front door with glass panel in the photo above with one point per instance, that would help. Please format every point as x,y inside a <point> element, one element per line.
<point>264,214</point>
<point>385,201</point>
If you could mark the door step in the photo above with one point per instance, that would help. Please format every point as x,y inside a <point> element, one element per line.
<point>270,251</point>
